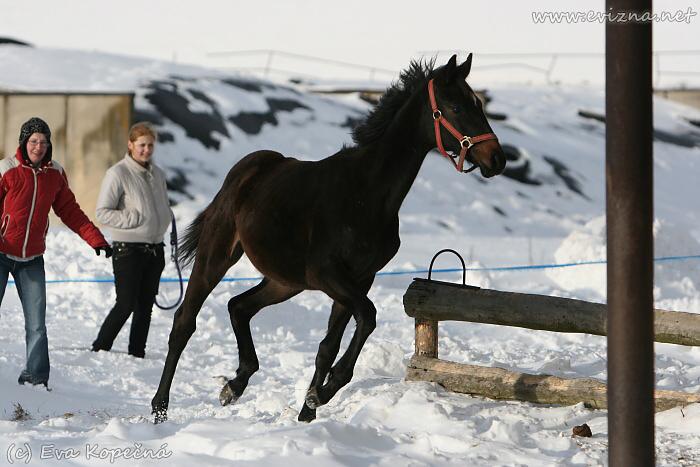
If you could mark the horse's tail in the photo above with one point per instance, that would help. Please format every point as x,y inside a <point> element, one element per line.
<point>188,244</point>
<point>187,248</point>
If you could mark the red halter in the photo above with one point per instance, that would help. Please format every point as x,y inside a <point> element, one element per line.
<point>465,141</point>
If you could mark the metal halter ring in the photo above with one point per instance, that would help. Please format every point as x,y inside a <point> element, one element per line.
<point>466,140</point>
<point>437,115</point>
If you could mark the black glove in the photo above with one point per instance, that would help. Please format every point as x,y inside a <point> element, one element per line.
<point>107,249</point>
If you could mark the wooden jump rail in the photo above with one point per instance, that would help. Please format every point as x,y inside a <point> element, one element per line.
<point>432,301</point>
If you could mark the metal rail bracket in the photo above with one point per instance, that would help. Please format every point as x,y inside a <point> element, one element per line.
<point>452,284</point>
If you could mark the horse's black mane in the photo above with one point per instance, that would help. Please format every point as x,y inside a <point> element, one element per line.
<point>376,123</point>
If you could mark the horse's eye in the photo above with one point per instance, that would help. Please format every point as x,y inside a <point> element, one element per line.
<point>456,109</point>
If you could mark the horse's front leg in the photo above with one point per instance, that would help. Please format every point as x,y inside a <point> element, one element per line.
<point>365,315</point>
<point>327,351</point>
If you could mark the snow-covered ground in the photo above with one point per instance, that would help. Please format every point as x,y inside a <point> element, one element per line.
<point>547,208</point>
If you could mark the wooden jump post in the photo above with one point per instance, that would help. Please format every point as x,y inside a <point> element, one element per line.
<point>431,301</point>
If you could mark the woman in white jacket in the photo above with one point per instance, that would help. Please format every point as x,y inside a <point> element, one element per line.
<point>133,204</point>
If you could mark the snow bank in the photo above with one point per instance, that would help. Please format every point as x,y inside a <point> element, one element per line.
<point>674,275</point>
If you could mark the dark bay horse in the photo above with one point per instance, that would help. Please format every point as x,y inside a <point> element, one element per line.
<point>328,225</point>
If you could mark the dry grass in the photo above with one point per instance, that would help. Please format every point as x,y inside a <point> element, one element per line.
<point>20,414</point>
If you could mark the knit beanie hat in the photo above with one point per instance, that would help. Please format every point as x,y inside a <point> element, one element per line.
<point>31,126</point>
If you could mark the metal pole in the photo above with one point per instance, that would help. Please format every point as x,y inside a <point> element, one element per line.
<point>550,69</point>
<point>268,65</point>
<point>629,199</point>
<point>657,65</point>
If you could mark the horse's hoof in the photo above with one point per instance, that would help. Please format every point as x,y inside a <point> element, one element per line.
<point>159,410</point>
<point>159,415</point>
<point>228,395</point>
<point>307,414</point>
<point>312,399</point>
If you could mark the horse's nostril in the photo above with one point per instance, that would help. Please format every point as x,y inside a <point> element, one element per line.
<point>498,162</point>
<point>501,161</point>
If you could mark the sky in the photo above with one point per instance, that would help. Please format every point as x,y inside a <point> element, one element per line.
<point>383,35</point>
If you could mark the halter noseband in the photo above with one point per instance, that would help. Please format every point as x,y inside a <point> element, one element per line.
<point>466,142</point>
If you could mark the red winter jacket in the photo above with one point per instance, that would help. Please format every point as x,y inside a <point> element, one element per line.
<point>26,196</point>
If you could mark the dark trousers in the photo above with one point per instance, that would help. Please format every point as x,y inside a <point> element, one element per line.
<point>137,269</point>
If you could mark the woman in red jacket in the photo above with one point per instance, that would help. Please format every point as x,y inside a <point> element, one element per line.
<point>30,185</point>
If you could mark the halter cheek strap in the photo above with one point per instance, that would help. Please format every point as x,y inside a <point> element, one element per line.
<point>466,142</point>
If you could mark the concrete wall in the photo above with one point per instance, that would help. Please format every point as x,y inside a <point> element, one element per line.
<point>88,134</point>
<point>690,97</point>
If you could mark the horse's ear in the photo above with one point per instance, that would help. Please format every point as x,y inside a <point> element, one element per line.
<point>451,69</point>
<point>466,67</point>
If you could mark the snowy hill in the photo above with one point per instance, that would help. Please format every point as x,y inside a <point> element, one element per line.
<point>546,208</point>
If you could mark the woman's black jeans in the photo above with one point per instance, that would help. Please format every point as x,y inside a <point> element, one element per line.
<point>137,269</point>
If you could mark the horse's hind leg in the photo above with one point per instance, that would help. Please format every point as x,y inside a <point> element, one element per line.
<point>210,266</point>
<point>327,351</point>
<point>241,309</point>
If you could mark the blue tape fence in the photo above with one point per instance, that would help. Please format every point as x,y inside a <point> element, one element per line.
<point>398,273</point>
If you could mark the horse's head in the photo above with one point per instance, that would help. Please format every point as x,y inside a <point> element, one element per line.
<point>460,125</point>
